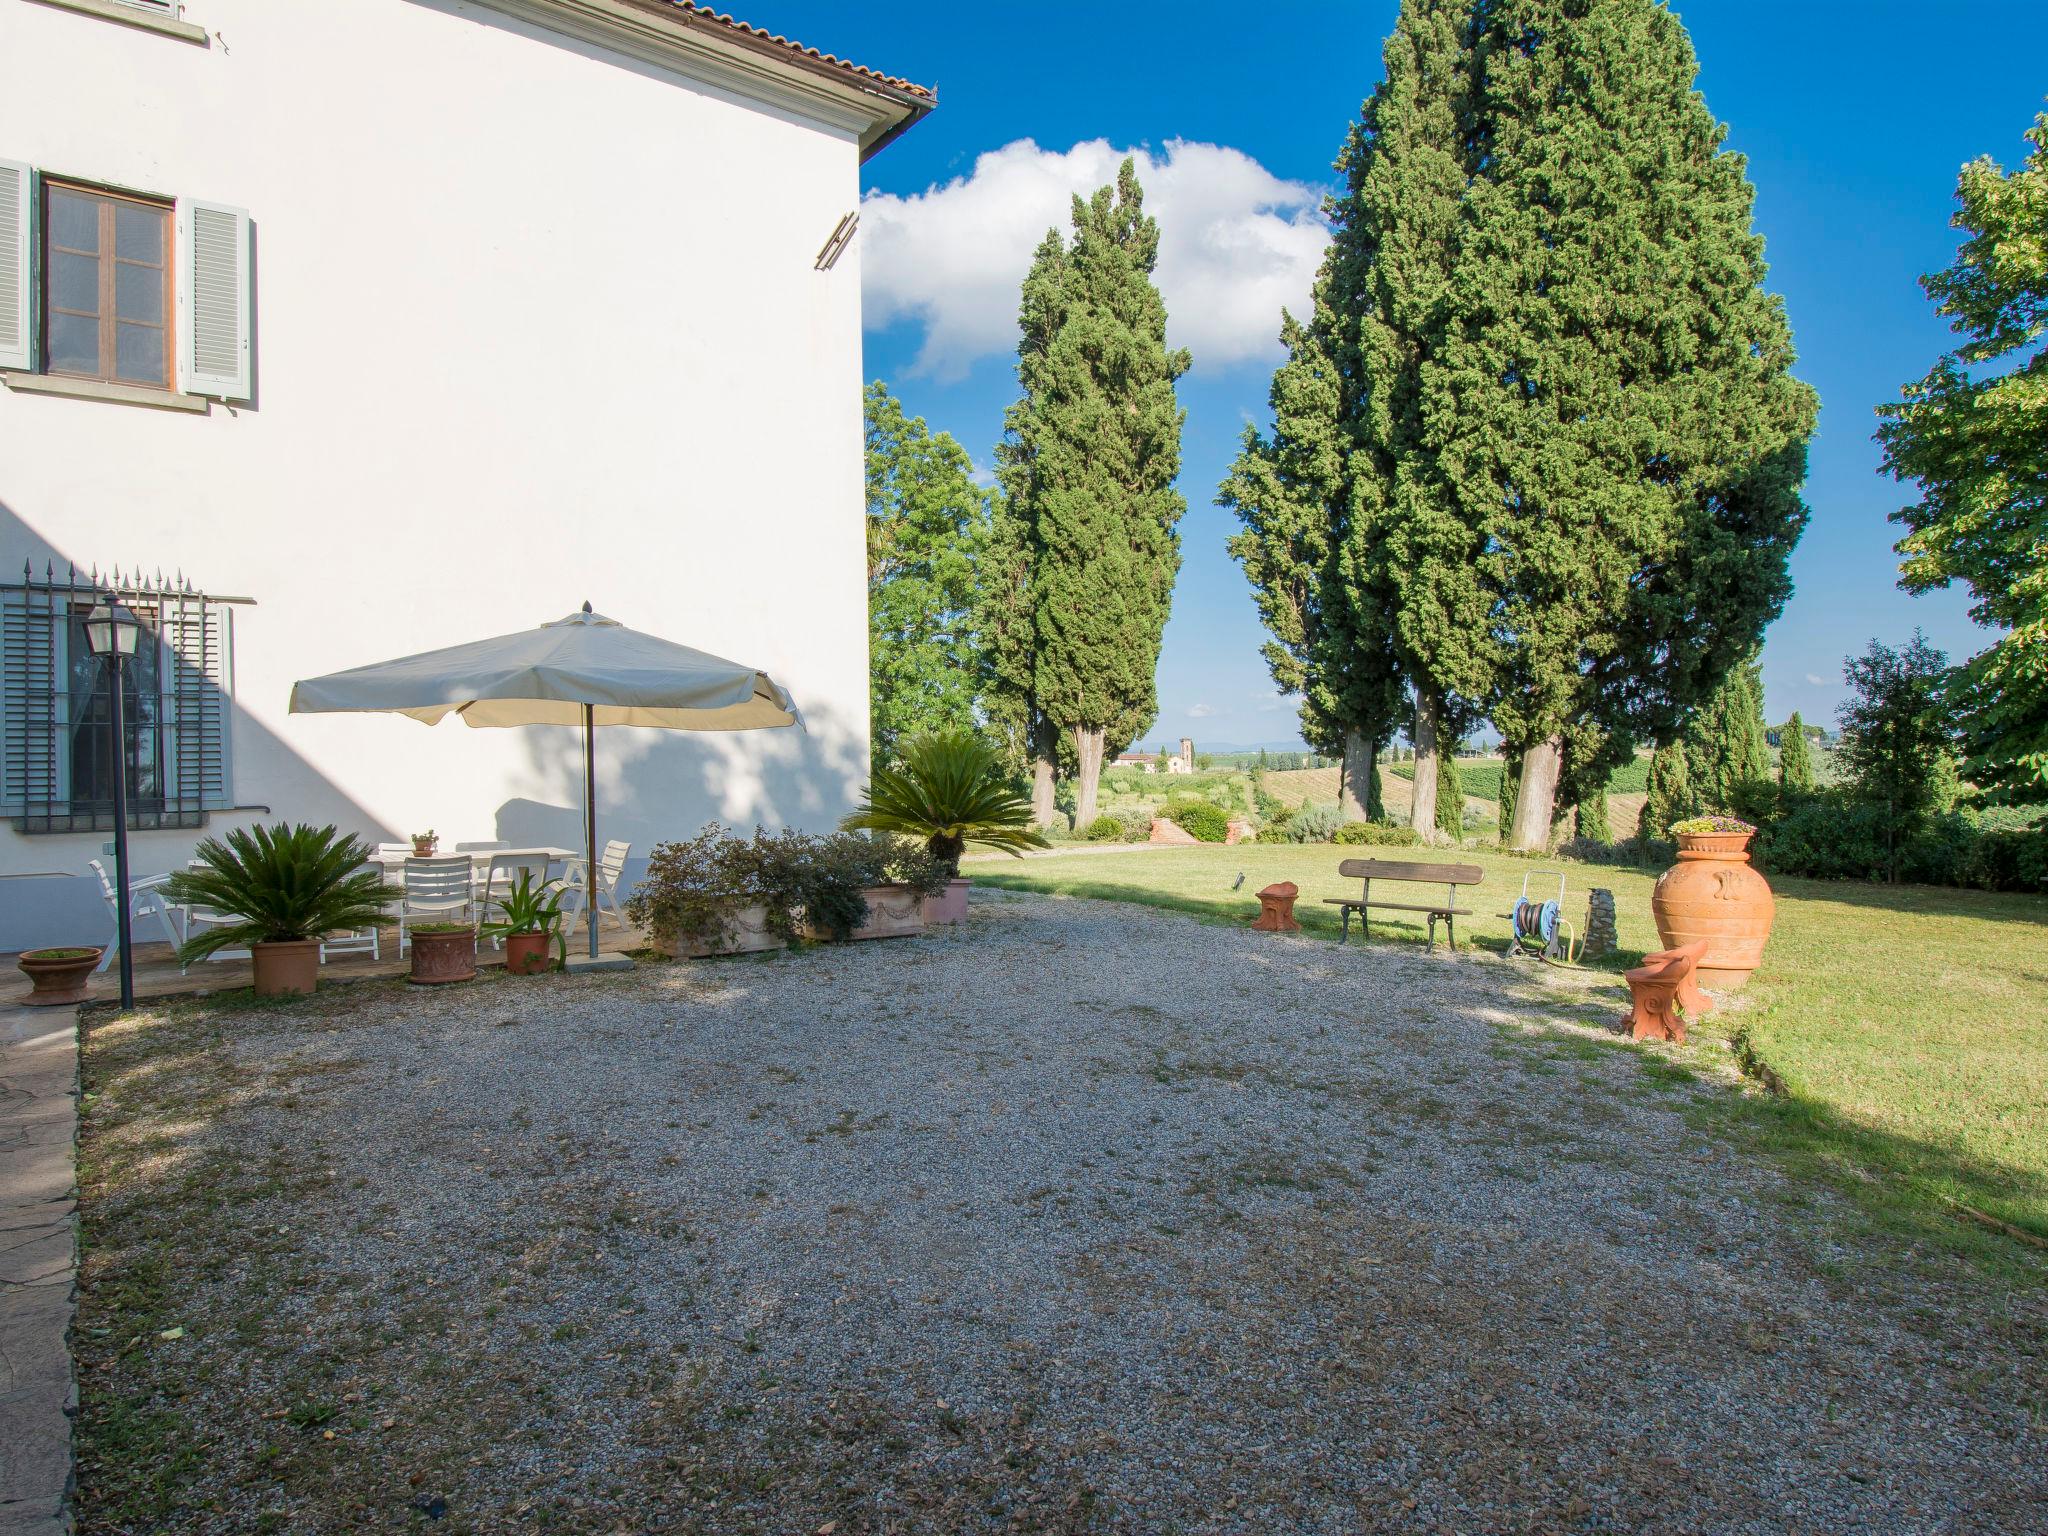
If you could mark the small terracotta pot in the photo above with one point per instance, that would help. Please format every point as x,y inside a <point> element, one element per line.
<point>439,958</point>
<point>55,982</point>
<point>423,847</point>
<point>950,905</point>
<point>286,967</point>
<point>1713,893</point>
<point>745,932</point>
<point>526,954</point>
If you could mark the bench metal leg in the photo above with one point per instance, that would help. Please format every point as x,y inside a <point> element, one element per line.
<point>1345,936</point>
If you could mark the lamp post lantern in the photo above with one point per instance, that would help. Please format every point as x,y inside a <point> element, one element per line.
<point>111,634</point>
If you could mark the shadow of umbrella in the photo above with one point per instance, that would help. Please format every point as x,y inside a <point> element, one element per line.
<point>584,670</point>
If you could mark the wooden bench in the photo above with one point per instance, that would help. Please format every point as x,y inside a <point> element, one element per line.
<point>1450,876</point>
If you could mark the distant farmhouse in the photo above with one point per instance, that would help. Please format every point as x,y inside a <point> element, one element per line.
<point>1148,762</point>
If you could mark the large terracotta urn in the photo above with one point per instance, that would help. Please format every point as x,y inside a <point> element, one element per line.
<point>1713,893</point>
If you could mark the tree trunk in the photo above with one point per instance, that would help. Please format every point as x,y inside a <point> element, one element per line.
<point>1044,807</point>
<point>1088,748</point>
<point>1422,813</point>
<point>1536,797</point>
<point>1354,795</point>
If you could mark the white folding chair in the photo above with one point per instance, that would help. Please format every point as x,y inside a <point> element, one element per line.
<point>145,899</point>
<point>358,941</point>
<point>437,890</point>
<point>611,865</point>
<point>197,918</point>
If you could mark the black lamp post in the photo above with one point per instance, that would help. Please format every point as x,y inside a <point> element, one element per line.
<point>111,633</point>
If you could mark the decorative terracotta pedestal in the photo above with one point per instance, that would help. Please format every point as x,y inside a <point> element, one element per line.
<point>1713,894</point>
<point>1276,908</point>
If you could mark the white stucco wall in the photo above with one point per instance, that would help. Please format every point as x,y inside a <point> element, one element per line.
<point>534,324</point>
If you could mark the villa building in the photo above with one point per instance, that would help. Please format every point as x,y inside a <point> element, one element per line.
<point>335,332</point>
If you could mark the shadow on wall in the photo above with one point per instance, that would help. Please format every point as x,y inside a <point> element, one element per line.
<point>656,786</point>
<point>47,894</point>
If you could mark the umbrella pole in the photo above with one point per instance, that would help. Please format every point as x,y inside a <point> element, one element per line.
<point>590,875</point>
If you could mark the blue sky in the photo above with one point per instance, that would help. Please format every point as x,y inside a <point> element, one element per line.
<point>1855,119</point>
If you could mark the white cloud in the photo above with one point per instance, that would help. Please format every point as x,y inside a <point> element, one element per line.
<point>1816,679</point>
<point>1236,243</point>
<point>1201,711</point>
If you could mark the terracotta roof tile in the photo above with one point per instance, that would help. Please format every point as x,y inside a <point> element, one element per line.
<point>704,13</point>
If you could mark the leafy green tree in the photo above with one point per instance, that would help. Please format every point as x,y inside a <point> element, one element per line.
<point>1614,410</point>
<point>1897,735</point>
<point>927,522</point>
<point>1095,452</point>
<point>1795,756</point>
<point>1725,751</point>
<point>1974,434</point>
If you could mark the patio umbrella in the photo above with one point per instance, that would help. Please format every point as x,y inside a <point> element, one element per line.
<point>583,670</point>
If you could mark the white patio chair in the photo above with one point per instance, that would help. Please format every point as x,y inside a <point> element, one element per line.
<point>198,918</point>
<point>392,853</point>
<point>500,875</point>
<point>145,899</point>
<point>480,847</point>
<point>437,890</point>
<point>359,941</point>
<point>611,864</point>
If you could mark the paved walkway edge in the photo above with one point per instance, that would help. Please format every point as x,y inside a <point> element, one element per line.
<point>38,1267</point>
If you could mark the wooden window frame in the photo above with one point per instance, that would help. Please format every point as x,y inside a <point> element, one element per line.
<point>109,261</point>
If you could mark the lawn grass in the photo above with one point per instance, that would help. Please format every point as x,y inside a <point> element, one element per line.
<point>1897,1030</point>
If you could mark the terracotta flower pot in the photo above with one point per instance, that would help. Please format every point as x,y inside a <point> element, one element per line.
<point>745,931</point>
<point>58,976</point>
<point>438,958</point>
<point>286,967</point>
<point>423,847</point>
<point>950,905</point>
<point>1713,893</point>
<point>526,954</point>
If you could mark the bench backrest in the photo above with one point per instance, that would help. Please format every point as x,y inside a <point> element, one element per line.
<point>1410,869</point>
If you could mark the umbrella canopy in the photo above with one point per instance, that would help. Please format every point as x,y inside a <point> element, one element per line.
<point>547,676</point>
<point>584,670</point>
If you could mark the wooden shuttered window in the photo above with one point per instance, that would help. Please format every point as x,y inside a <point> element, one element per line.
<point>59,754</point>
<point>17,265</point>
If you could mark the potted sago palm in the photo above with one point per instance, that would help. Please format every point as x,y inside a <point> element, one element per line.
<point>949,792</point>
<point>281,890</point>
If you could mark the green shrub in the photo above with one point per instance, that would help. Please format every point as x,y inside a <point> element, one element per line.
<point>1136,821</point>
<point>1105,829</point>
<point>1205,822</point>
<point>1314,824</point>
<point>1376,833</point>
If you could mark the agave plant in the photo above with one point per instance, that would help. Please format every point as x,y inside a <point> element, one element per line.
<point>950,791</point>
<point>283,883</point>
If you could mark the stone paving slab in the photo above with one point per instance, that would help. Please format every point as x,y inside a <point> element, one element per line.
<point>38,1267</point>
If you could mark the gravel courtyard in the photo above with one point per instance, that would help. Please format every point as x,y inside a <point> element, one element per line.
<point>1080,1217</point>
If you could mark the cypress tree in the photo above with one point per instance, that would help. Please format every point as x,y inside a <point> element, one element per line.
<point>1614,407</point>
<point>1670,798</point>
<point>1007,597</point>
<point>1450,793</point>
<point>1510,787</point>
<point>1589,818</point>
<point>1725,751</point>
<point>1105,454</point>
<point>1795,759</point>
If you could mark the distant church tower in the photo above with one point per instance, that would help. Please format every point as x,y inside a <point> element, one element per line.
<point>1187,754</point>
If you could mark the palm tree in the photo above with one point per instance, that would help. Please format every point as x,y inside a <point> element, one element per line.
<point>284,883</point>
<point>949,790</point>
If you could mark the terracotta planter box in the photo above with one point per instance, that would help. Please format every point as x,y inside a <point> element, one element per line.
<point>56,980</point>
<point>439,958</point>
<point>288,968</point>
<point>894,912</point>
<point>1712,893</point>
<point>528,954</point>
<point>745,932</point>
<point>949,906</point>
